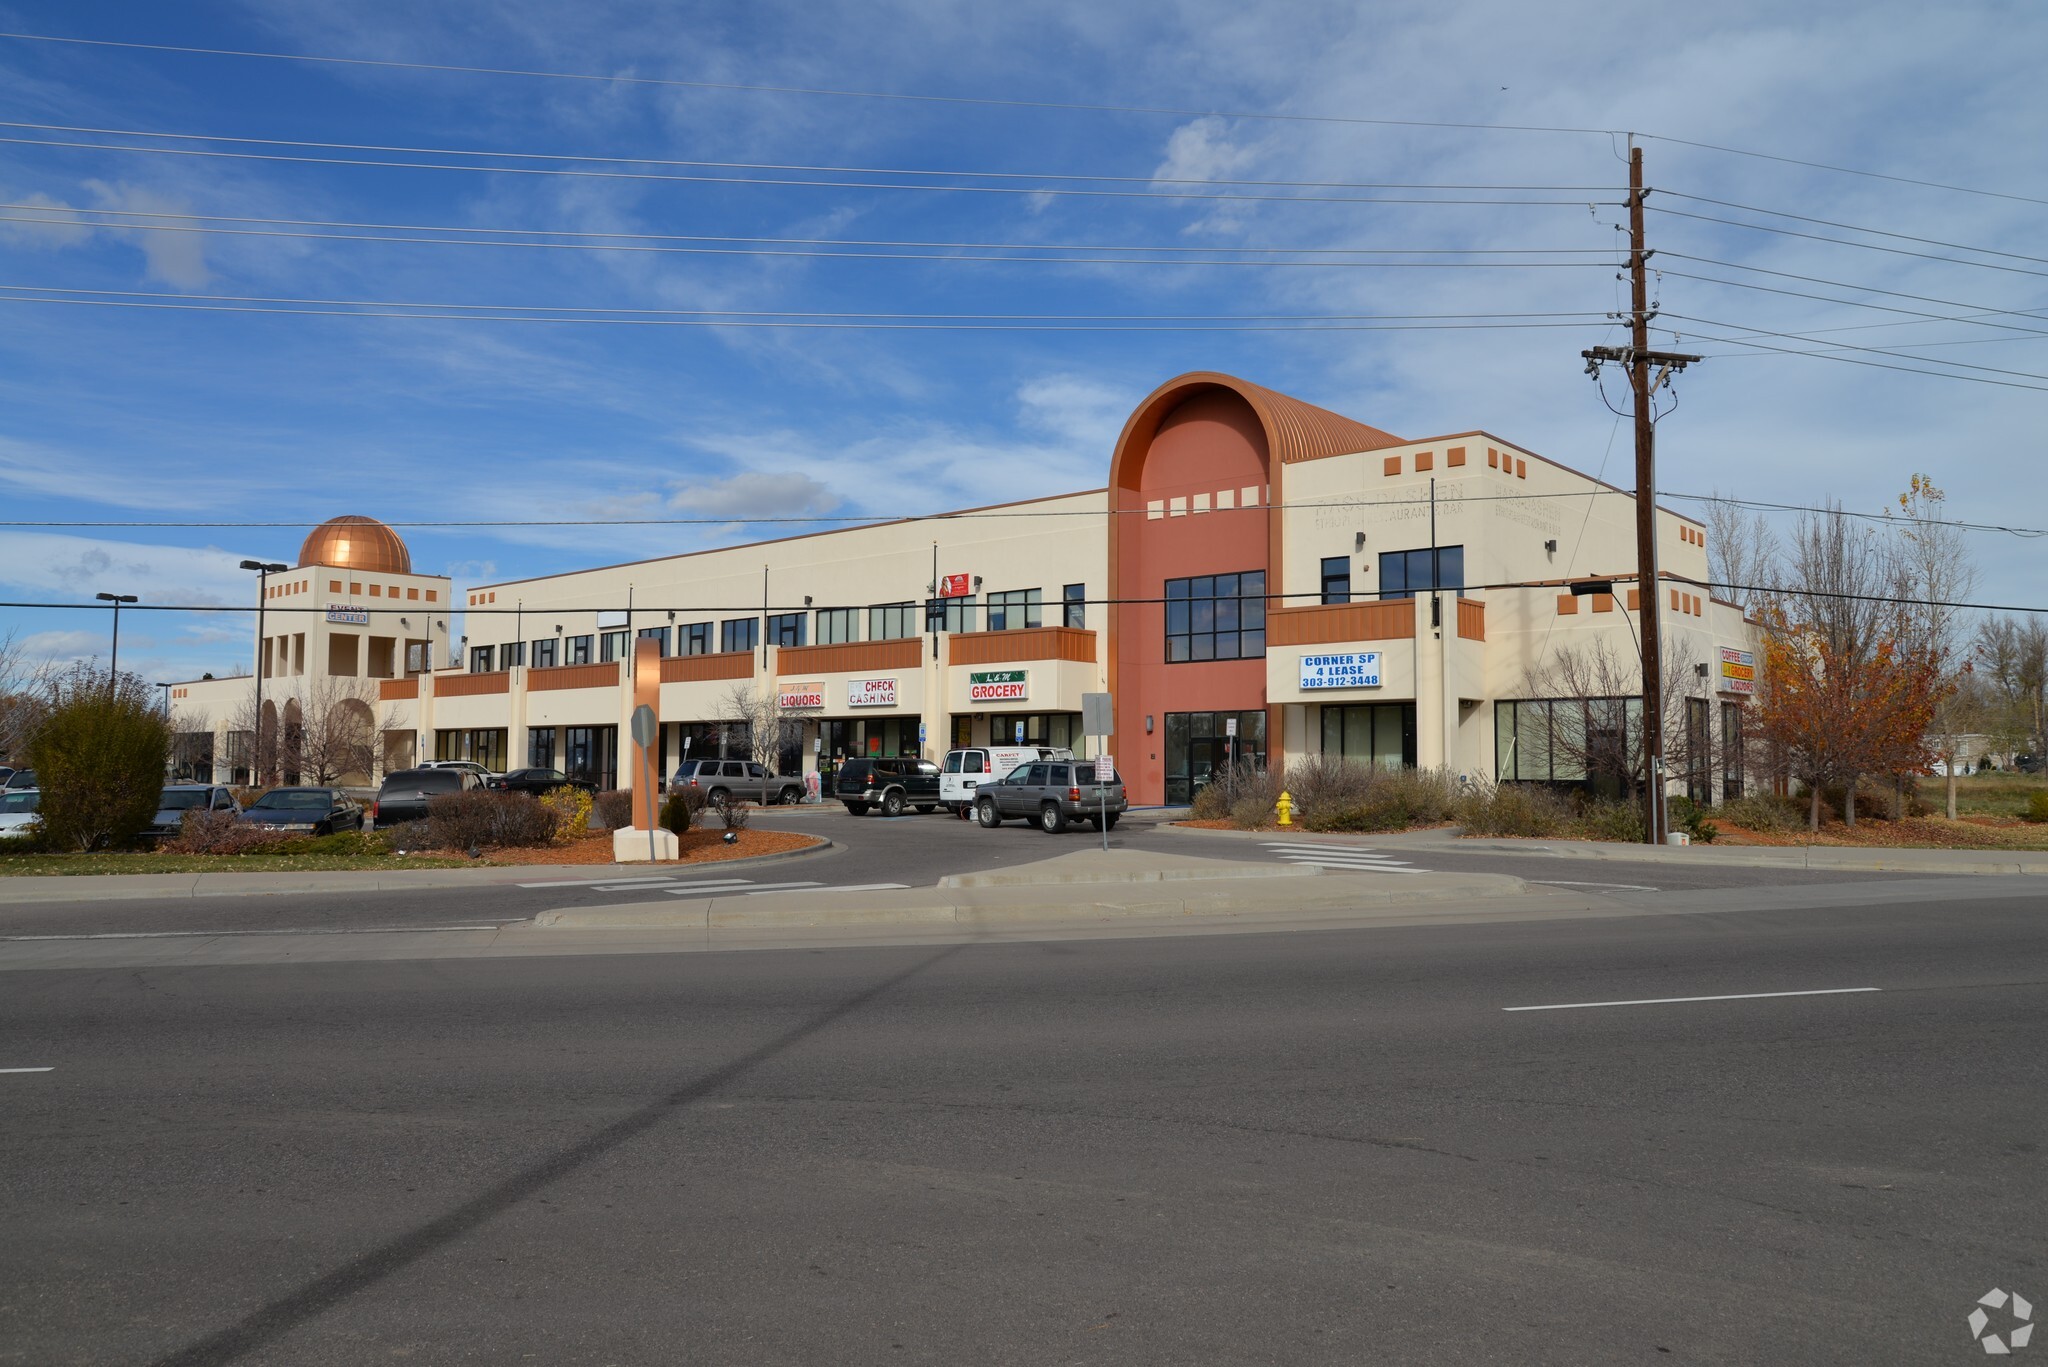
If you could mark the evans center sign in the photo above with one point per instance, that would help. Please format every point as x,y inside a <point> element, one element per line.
<point>1738,671</point>
<point>1341,671</point>
<point>800,695</point>
<point>870,692</point>
<point>999,685</point>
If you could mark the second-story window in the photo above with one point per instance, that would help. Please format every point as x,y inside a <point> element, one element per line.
<point>479,659</point>
<point>659,635</point>
<point>837,626</point>
<point>1016,608</point>
<point>1403,574</point>
<point>1336,579</point>
<point>892,621</point>
<point>694,639</point>
<point>544,652</point>
<point>611,646</point>
<point>1216,617</point>
<point>786,629</point>
<point>949,614</point>
<point>1075,599</point>
<point>512,653</point>
<point>579,650</point>
<point>739,633</point>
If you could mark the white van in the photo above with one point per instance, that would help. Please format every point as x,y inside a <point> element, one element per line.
<point>966,770</point>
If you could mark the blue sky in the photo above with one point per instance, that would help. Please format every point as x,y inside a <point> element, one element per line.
<point>116,414</point>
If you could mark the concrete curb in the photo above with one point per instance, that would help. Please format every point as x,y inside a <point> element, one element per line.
<point>1847,858</point>
<point>1024,878</point>
<point>117,887</point>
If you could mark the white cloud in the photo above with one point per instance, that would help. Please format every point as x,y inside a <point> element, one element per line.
<point>1086,413</point>
<point>754,493</point>
<point>74,568</point>
<point>64,646</point>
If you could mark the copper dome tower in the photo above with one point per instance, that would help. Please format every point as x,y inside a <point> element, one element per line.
<point>356,543</point>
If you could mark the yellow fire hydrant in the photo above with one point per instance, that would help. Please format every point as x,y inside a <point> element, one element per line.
<point>1286,807</point>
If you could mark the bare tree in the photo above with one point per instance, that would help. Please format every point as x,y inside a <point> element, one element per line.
<point>337,737</point>
<point>771,727</point>
<point>1742,553</point>
<point>24,696</point>
<point>1935,571</point>
<point>2012,656</point>
<point>1603,736</point>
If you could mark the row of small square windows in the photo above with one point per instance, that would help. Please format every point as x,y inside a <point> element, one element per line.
<point>1454,456</point>
<point>1689,604</point>
<point>1223,501</point>
<point>355,590</point>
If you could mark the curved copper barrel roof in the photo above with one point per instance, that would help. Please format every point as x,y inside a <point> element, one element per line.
<point>356,543</point>
<point>1295,431</point>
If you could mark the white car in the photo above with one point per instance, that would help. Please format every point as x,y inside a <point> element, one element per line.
<point>967,769</point>
<point>17,812</point>
<point>484,776</point>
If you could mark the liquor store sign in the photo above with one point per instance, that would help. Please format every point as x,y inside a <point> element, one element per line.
<point>1738,671</point>
<point>800,695</point>
<point>1360,670</point>
<point>870,692</point>
<point>999,685</point>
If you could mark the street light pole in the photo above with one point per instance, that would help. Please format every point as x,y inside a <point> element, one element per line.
<point>114,664</point>
<point>264,569</point>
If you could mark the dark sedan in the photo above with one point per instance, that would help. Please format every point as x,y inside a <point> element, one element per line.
<point>538,781</point>
<point>305,811</point>
<point>180,798</point>
<point>405,794</point>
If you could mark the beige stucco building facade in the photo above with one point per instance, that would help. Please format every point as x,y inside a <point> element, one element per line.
<point>1259,579</point>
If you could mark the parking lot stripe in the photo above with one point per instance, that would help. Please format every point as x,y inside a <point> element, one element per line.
<point>27,1070</point>
<point>1670,1001</point>
<point>595,883</point>
<point>850,887</point>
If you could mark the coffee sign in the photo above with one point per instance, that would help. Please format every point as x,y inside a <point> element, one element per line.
<point>870,692</point>
<point>999,685</point>
<point>1738,671</point>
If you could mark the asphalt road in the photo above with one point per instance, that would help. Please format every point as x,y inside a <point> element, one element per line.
<point>915,851</point>
<point>1306,1148</point>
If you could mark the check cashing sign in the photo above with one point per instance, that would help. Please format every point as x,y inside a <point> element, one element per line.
<point>1361,670</point>
<point>999,685</point>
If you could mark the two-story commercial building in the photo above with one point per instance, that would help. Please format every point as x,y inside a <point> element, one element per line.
<point>1260,579</point>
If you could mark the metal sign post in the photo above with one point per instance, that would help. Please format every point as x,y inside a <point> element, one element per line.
<point>1098,723</point>
<point>645,728</point>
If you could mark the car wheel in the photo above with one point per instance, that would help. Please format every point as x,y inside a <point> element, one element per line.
<point>1051,819</point>
<point>1109,822</point>
<point>985,812</point>
<point>925,809</point>
<point>892,803</point>
<point>857,808</point>
<point>789,797</point>
<point>717,797</point>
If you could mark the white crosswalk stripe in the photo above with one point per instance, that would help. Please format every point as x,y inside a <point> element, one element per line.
<point>1350,858</point>
<point>710,887</point>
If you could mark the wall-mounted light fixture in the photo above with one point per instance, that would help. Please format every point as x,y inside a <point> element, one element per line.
<point>1359,543</point>
<point>1700,669</point>
<point>405,622</point>
<point>977,582</point>
<point>1148,723</point>
<point>671,614</point>
<point>807,600</point>
<point>1551,546</point>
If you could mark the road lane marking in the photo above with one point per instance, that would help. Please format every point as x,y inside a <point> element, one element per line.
<point>283,930</point>
<point>593,883</point>
<point>1581,883</point>
<point>849,887</point>
<point>1668,1001</point>
<point>27,1070</point>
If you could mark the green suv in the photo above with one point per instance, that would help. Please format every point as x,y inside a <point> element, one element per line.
<point>1052,793</point>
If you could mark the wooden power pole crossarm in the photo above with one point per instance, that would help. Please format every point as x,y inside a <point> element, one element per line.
<point>1638,359</point>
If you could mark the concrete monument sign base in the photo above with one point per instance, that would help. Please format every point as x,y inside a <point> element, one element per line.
<point>629,845</point>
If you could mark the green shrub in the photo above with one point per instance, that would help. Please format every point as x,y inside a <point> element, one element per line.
<point>614,809</point>
<point>2037,808</point>
<point>1325,783</point>
<point>1250,813</point>
<point>485,820</point>
<point>1688,816</point>
<point>99,754</point>
<point>678,808</point>
<point>1608,819</point>
<point>733,814</point>
<point>1389,813</point>
<point>1764,812</point>
<point>341,842</point>
<point>571,806</point>
<point>1234,784</point>
<point>1513,809</point>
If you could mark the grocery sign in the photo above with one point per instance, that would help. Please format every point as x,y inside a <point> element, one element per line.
<point>999,685</point>
<point>870,692</point>
<point>800,695</point>
<point>348,615</point>
<point>1341,671</point>
<point>1738,671</point>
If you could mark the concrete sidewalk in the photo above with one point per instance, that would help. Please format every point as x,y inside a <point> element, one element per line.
<point>1847,858</point>
<point>111,887</point>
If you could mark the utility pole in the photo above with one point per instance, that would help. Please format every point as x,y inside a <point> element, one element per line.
<point>1638,358</point>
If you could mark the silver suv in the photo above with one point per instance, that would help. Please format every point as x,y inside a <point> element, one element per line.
<point>1052,793</point>
<point>720,779</point>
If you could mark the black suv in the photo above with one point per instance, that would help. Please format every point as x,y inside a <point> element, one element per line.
<point>891,784</point>
<point>405,794</point>
<point>538,781</point>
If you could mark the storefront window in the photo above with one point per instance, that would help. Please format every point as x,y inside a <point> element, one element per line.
<point>1731,751</point>
<point>1198,744</point>
<point>591,753</point>
<point>1216,617</point>
<point>485,745</point>
<point>540,746</point>
<point>1380,734</point>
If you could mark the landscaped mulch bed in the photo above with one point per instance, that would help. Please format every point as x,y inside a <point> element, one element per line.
<point>698,847</point>
<point>1914,832</point>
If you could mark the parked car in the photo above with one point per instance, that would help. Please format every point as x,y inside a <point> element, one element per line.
<point>18,812</point>
<point>538,781</point>
<point>720,779</point>
<point>1052,793</point>
<point>968,768</point>
<point>2029,764</point>
<point>180,798</point>
<point>19,778</point>
<point>405,794</point>
<point>484,774</point>
<point>306,811</point>
<point>891,784</point>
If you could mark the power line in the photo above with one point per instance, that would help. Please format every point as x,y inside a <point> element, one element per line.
<point>1975,320</point>
<point>1847,242</point>
<point>154,214</point>
<point>1850,227</point>
<point>1000,103</point>
<point>673,176</point>
<point>1845,346</point>
<point>822,91</point>
<point>821,313</point>
<point>1833,284</point>
<point>667,249</point>
<point>784,166</point>
<point>1853,360</point>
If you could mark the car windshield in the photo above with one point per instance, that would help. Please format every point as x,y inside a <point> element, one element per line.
<point>22,801</point>
<point>178,799</point>
<point>300,800</point>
